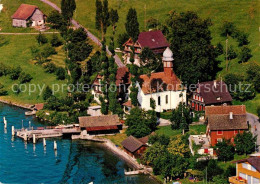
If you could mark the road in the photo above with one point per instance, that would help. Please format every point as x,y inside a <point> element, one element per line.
<point>254,122</point>
<point>90,35</point>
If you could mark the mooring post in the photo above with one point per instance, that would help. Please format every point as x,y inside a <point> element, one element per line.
<point>13,132</point>
<point>44,142</point>
<point>34,138</point>
<point>55,145</point>
<point>5,123</point>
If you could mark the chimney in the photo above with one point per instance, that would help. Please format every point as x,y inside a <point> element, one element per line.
<point>231,115</point>
<point>215,84</point>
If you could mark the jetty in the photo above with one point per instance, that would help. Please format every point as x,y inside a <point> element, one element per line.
<point>41,132</point>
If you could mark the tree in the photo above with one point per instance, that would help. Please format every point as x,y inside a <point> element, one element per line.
<point>178,147</point>
<point>139,123</point>
<point>212,169</point>
<point>194,55</point>
<point>132,25</point>
<point>160,138</point>
<point>113,16</point>
<point>149,60</point>
<point>47,93</point>
<point>245,143</point>
<point>102,17</point>
<point>225,150</point>
<point>244,91</point>
<point>242,38</point>
<point>56,20</point>
<point>15,72</point>
<point>122,38</point>
<point>181,117</point>
<point>228,29</point>
<point>60,73</point>
<point>3,92</point>
<point>55,41</point>
<point>245,54</point>
<point>253,75</point>
<point>48,51</point>
<point>219,49</point>
<point>67,9</point>
<point>24,78</point>
<point>152,23</point>
<point>231,53</point>
<point>258,111</point>
<point>41,39</point>
<point>50,67</point>
<point>153,151</point>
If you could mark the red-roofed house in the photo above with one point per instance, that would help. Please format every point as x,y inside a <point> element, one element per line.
<point>164,87</point>
<point>225,122</point>
<point>210,93</point>
<point>154,40</point>
<point>28,15</point>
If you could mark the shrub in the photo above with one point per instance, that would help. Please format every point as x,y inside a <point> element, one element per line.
<point>258,111</point>
<point>47,51</point>
<point>24,78</point>
<point>55,41</point>
<point>245,54</point>
<point>3,92</point>
<point>41,39</point>
<point>50,68</point>
<point>3,69</point>
<point>15,72</point>
<point>242,38</point>
<point>60,72</point>
<point>47,93</point>
<point>228,28</point>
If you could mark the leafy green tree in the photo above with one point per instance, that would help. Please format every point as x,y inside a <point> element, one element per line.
<point>50,68</point>
<point>181,117</point>
<point>3,92</point>
<point>122,38</point>
<point>48,51</point>
<point>102,17</point>
<point>220,179</point>
<point>56,20</point>
<point>245,143</point>
<point>67,9</point>
<point>60,73</point>
<point>152,23</point>
<point>47,93</point>
<point>152,152</point>
<point>140,123</point>
<point>258,111</point>
<point>160,138</point>
<point>55,41</point>
<point>41,39</point>
<point>231,53</point>
<point>4,70</point>
<point>242,38</point>
<point>225,150</point>
<point>194,55</point>
<point>253,75</point>
<point>149,60</point>
<point>228,29</point>
<point>244,91</point>
<point>24,77</point>
<point>245,54</point>
<point>212,169</point>
<point>113,16</point>
<point>15,72</point>
<point>132,25</point>
<point>178,147</point>
<point>219,49</point>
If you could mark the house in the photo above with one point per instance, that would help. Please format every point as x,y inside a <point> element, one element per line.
<point>247,171</point>
<point>165,88</point>
<point>210,93</point>
<point>154,40</point>
<point>133,146</point>
<point>122,83</point>
<point>225,122</point>
<point>28,15</point>
<point>95,125</point>
<point>94,110</point>
<point>199,144</point>
<point>38,107</point>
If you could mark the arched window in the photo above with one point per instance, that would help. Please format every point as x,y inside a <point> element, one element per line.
<point>159,100</point>
<point>166,99</point>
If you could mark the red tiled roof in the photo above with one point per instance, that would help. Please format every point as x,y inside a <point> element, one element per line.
<point>24,11</point>
<point>212,94</point>
<point>152,39</point>
<point>39,106</point>
<point>122,76</point>
<point>170,82</point>
<point>225,109</point>
<point>128,103</point>
<point>97,128</point>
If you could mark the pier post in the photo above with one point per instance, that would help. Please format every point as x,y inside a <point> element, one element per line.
<point>55,145</point>
<point>5,123</point>
<point>25,136</point>
<point>44,142</point>
<point>13,132</point>
<point>34,139</point>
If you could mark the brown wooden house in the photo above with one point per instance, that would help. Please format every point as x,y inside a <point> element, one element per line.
<point>133,146</point>
<point>208,94</point>
<point>154,40</point>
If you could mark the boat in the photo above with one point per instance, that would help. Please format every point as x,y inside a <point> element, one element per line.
<point>30,113</point>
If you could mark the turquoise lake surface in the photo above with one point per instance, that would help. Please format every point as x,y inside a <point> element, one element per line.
<point>74,161</point>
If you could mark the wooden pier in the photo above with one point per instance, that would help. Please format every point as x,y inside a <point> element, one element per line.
<point>28,134</point>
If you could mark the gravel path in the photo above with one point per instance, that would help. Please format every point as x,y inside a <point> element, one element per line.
<point>90,35</point>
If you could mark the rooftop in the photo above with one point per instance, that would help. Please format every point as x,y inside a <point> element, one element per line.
<point>225,109</point>
<point>132,144</point>
<point>99,121</point>
<point>24,11</point>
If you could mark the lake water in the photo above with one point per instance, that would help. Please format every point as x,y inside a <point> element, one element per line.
<point>74,161</point>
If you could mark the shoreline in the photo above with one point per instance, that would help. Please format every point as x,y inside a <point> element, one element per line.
<point>23,106</point>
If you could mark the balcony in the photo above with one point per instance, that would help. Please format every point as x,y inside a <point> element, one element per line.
<point>237,180</point>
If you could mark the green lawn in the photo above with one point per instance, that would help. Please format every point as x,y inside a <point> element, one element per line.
<point>17,53</point>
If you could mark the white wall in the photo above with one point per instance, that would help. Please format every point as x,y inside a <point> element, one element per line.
<point>173,99</point>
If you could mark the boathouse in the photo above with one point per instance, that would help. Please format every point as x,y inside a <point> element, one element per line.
<point>133,146</point>
<point>108,124</point>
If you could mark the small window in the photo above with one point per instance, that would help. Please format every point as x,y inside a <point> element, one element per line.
<point>219,140</point>
<point>244,165</point>
<point>166,99</point>
<point>220,132</point>
<point>253,169</point>
<point>159,100</point>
